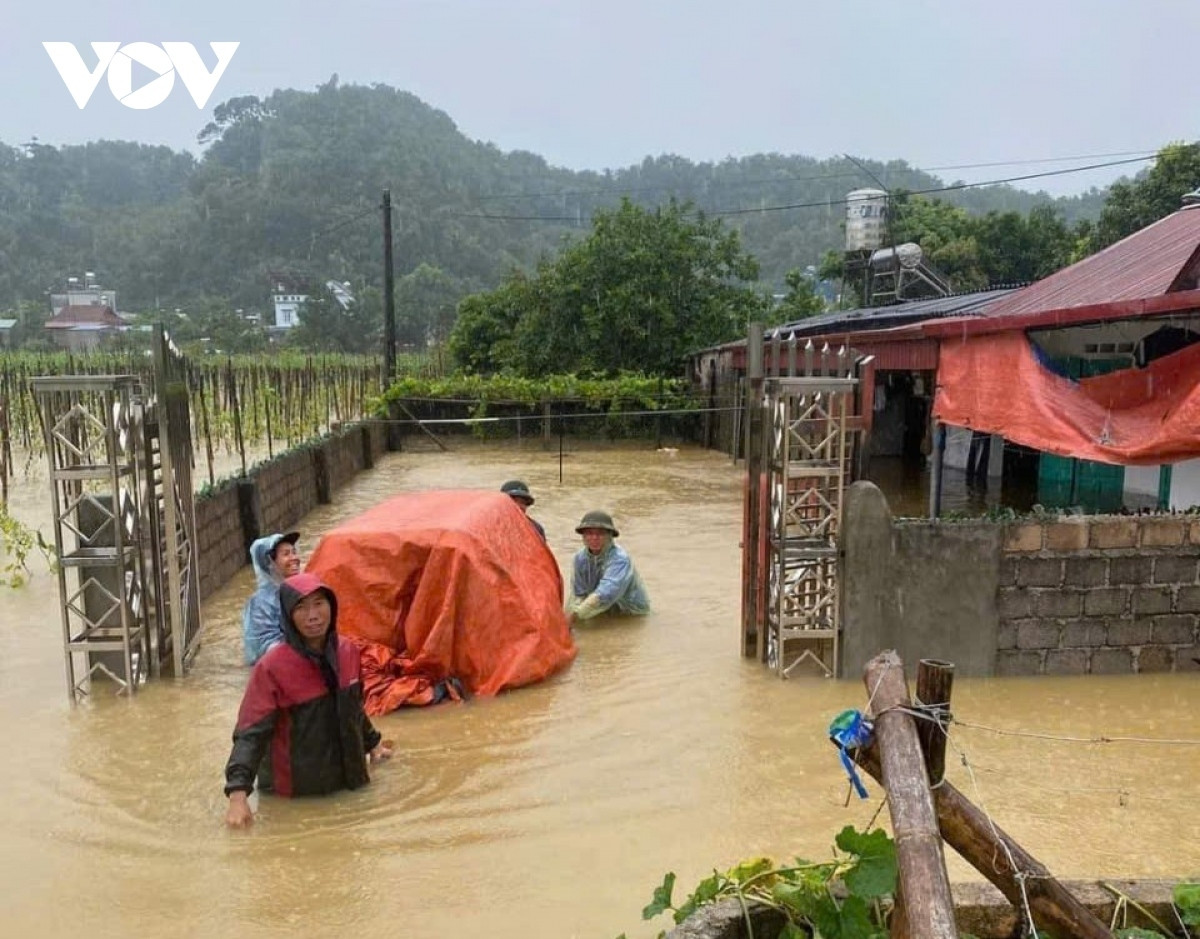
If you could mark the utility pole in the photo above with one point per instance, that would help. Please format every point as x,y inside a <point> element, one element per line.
<point>389,290</point>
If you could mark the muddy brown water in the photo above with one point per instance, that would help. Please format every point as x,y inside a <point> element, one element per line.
<point>553,810</point>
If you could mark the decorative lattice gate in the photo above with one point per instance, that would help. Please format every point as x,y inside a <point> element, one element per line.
<point>802,428</point>
<point>120,461</point>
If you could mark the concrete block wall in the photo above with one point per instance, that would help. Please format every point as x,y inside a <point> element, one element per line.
<point>1099,595</point>
<point>220,543</point>
<point>274,496</point>
<point>346,456</point>
<point>1044,596</point>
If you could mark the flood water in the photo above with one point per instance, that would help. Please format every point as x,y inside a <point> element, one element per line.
<point>552,810</point>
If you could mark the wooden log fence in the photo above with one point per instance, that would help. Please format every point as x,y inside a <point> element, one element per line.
<point>928,908</point>
<point>1025,882</point>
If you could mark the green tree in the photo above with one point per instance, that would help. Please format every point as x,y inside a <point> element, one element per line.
<point>1153,195</point>
<point>801,300</point>
<point>327,326</point>
<point>1015,250</point>
<point>426,302</point>
<point>640,291</point>
<point>947,236</point>
<point>483,337</point>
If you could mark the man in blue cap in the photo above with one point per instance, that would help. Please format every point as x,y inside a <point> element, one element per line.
<point>274,558</point>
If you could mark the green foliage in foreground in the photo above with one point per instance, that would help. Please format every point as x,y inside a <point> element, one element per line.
<point>852,896</point>
<point>846,898</point>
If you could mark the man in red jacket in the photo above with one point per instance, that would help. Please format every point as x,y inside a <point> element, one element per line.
<point>308,689</point>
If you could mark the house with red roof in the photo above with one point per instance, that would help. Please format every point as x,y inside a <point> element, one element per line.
<point>1082,388</point>
<point>79,327</point>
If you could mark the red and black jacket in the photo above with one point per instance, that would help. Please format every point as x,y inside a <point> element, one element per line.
<point>301,728</point>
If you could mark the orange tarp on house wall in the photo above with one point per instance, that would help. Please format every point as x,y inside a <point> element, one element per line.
<point>1134,417</point>
<point>441,584</point>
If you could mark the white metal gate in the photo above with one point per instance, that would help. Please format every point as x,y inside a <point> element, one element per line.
<point>808,462</point>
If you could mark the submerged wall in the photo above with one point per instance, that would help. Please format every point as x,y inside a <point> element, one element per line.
<point>1056,596</point>
<point>925,590</point>
<point>275,495</point>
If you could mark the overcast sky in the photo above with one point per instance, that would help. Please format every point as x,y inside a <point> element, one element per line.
<point>591,84</point>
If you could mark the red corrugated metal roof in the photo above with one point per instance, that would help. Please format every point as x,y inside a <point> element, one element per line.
<point>71,316</point>
<point>1146,264</point>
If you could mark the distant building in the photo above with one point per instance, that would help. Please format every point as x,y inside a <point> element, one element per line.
<point>289,294</point>
<point>340,293</point>
<point>83,313</point>
<point>84,327</point>
<point>6,332</point>
<point>85,293</point>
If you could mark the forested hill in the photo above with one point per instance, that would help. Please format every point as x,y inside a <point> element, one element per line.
<point>292,183</point>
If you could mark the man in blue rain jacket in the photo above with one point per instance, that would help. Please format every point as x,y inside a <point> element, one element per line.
<point>274,558</point>
<point>605,578</point>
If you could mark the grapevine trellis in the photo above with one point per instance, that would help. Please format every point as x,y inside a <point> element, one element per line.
<point>237,403</point>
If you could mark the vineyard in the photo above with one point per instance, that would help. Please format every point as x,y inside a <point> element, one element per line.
<point>239,404</point>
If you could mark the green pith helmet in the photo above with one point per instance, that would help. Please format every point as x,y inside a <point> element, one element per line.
<point>597,519</point>
<point>518,490</point>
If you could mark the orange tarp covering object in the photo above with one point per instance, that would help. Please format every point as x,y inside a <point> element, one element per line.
<point>447,583</point>
<point>1134,417</point>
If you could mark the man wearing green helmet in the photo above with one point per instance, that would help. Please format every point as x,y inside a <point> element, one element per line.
<point>605,578</point>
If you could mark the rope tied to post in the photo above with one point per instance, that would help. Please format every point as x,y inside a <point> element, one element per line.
<point>851,730</point>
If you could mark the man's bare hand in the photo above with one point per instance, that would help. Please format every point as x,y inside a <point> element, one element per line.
<point>239,815</point>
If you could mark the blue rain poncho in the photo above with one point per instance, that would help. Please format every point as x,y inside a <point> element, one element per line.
<point>261,623</point>
<point>607,581</point>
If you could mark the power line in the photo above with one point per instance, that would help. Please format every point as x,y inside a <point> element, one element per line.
<point>954,187</point>
<point>825,203</point>
<point>1034,162</point>
<point>790,177</point>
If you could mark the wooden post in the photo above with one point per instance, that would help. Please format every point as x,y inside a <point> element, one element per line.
<point>935,680</point>
<point>752,618</point>
<point>389,295</point>
<point>935,470</point>
<point>987,848</point>
<point>928,907</point>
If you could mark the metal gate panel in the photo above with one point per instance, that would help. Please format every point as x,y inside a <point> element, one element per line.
<point>92,425</point>
<point>807,462</point>
<point>175,504</point>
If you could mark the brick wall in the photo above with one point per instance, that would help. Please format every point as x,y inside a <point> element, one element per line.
<point>274,496</point>
<point>287,489</point>
<point>1099,595</point>
<point>220,544</point>
<point>348,455</point>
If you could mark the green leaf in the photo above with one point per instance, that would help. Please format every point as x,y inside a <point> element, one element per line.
<point>806,901</point>
<point>661,900</point>
<point>792,931</point>
<point>706,891</point>
<point>1135,933</point>
<point>749,869</point>
<point>855,920</point>
<point>1187,898</point>
<point>874,874</point>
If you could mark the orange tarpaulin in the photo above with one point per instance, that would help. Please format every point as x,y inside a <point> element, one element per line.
<point>1134,417</point>
<point>449,583</point>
